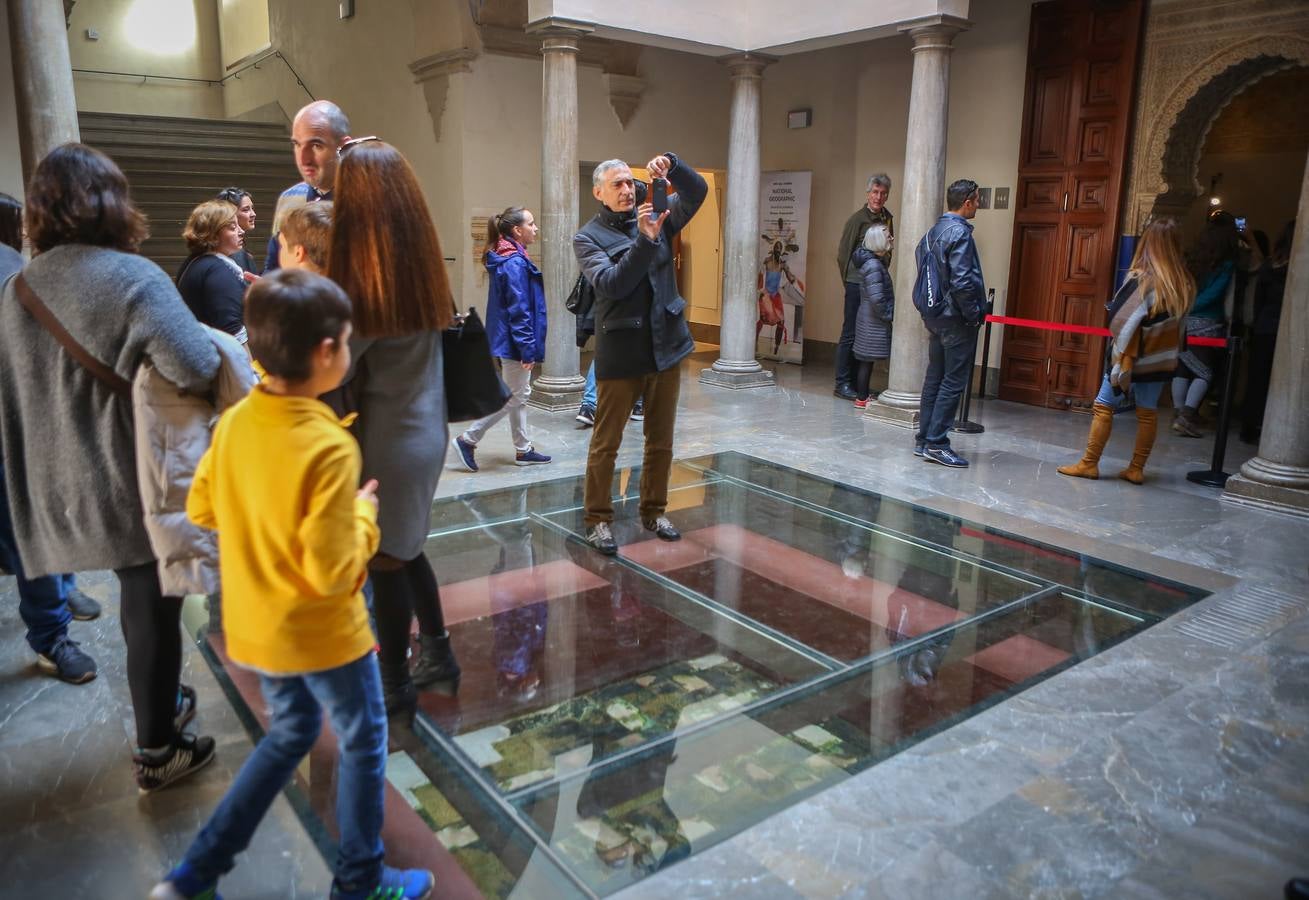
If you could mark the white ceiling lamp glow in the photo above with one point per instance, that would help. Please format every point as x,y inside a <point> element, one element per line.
<point>162,27</point>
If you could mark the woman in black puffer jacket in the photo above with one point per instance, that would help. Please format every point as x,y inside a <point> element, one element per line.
<point>872,334</point>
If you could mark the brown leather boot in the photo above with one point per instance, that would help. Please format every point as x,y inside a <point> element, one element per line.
<point>1102,423</point>
<point>1147,424</point>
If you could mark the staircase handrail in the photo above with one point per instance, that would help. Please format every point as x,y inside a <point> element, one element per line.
<point>253,64</point>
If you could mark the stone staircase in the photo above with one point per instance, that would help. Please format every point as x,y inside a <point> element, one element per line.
<point>175,164</point>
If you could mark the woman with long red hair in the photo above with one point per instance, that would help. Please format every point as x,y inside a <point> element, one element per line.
<point>1145,318</point>
<point>386,254</point>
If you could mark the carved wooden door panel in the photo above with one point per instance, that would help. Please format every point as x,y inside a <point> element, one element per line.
<point>1082,60</point>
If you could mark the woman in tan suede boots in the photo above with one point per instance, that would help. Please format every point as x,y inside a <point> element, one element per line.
<point>1145,318</point>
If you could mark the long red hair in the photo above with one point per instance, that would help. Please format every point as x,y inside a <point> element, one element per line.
<point>384,249</point>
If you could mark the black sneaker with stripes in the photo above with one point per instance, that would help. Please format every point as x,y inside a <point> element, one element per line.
<point>158,770</point>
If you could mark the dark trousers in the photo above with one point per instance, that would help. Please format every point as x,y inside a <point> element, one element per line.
<point>950,352</point>
<point>1262,348</point>
<point>617,396</point>
<point>41,601</point>
<point>845,345</point>
<point>151,629</point>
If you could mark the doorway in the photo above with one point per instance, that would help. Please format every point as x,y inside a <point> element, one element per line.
<point>1081,72</point>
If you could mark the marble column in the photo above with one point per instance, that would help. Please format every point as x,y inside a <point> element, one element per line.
<point>559,383</point>
<point>736,366</point>
<point>43,79</point>
<point>1278,477</point>
<point>922,199</point>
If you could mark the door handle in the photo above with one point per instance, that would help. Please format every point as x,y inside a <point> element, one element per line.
<point>1065,201</point>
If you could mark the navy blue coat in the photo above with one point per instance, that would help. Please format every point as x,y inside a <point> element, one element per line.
<point>515,307</point>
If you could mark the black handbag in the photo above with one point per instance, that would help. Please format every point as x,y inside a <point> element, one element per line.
<point>473,387</point>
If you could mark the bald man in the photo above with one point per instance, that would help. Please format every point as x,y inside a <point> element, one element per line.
<point>317,133</point>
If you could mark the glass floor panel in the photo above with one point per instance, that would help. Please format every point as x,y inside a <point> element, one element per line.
<point>618,714</point>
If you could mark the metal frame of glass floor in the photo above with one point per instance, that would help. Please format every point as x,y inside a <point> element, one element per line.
<point>618,714</point>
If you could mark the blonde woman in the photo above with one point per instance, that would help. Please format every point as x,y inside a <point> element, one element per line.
<point>1145,318</point>
<point>210,281</point>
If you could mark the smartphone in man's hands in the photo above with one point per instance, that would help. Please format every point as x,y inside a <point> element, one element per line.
<point>658,197</point>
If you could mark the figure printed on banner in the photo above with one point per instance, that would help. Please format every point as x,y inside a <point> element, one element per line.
<point>783,248</point>
<point>779,288</point>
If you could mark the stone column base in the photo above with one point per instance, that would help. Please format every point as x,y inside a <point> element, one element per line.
<point>761,377</point>
<point>1246,491</point>
<point>894,408</point>
<point>556,393</point>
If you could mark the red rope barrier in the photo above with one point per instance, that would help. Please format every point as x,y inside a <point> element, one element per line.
<point>1089,329</point>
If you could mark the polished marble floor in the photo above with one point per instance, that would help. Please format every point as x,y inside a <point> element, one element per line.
<point>857,675</point>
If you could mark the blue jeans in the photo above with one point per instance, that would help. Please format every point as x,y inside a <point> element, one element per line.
<point>589,393</point>
<point>845,344</point>
<point>352,696</point>
<point>950,352</point>
<point>42,602</point>
<point>1144,393</point>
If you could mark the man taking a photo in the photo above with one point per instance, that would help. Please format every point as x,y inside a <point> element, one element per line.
<point>640,331</point>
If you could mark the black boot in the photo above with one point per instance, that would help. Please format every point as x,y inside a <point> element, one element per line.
<point>436,660</point>
<point>398,691</point>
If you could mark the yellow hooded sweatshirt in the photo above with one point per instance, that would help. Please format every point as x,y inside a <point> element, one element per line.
<point>278,483</point>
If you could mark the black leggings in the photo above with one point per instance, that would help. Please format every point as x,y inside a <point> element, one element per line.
<point>862,378</point>
<point>398,596</point>
<point>151,629</point>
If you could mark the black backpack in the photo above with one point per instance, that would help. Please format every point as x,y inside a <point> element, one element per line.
<point>581,303</point>
<point>582,298</point>
<point>930,287</point>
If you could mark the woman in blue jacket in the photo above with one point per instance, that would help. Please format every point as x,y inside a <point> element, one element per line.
<point>515,326</point>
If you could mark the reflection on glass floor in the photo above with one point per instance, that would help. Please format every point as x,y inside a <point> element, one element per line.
<point>619,714</point>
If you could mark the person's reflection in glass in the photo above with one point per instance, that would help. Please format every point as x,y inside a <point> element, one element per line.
<point>851,542</point>
<point>635,824</point>
<point>911,608</point>
<point>518,627</point>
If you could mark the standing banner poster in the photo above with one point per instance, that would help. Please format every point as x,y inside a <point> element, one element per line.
<point>783,248</point>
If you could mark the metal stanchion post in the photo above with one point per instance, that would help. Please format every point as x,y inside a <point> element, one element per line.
<point>1214,476</point>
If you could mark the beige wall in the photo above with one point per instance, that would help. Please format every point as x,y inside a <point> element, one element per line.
<point>242,29</point>
<point>362,64</point>
<point>11,164</point>
<point>860,98</point>
<point>684,109</point>
<point>831,83</point>
<point>488,156</point>
<point>152,37</point>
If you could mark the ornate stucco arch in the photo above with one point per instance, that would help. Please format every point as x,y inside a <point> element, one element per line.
<point>1165,168</point>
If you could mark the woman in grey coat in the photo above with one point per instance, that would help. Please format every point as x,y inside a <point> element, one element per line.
<point>386,255</point>
<point>68,437</point>
<point>872,330</point>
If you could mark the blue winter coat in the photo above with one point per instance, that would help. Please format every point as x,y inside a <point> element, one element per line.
<point>515,307</point>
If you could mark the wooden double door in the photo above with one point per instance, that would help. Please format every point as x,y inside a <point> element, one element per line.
<point>1081,74</point>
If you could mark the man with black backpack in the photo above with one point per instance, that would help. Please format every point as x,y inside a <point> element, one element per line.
<point>950,295</point>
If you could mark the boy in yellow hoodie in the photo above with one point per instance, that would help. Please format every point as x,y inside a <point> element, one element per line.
<point>295,532</point>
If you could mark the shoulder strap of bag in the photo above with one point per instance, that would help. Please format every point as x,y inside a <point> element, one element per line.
<point>46,319</point>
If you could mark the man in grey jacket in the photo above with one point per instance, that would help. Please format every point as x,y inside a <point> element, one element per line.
<point>640,330</point>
